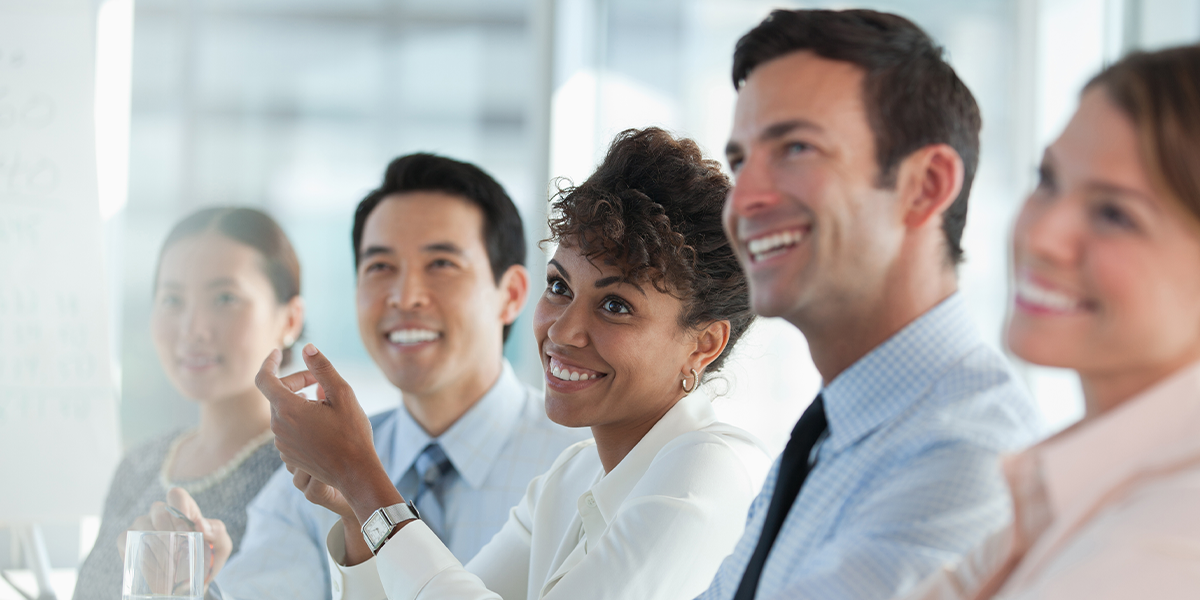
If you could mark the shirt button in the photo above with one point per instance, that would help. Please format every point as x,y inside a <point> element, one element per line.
<point>591,501</point>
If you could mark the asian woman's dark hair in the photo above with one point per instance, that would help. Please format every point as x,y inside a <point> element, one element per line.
<point>253,228</point>
<point>653,209</point>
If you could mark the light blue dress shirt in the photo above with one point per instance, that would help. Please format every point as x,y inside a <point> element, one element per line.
<point>497,447</point>
<point>907,477</point>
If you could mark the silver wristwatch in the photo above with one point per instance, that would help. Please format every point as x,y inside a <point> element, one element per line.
<point>380,525</point>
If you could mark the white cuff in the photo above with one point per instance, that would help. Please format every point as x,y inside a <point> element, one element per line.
<point>359,582</point>
<point>411,559</point>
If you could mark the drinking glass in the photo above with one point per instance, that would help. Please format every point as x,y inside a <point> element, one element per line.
<point>163,565</point>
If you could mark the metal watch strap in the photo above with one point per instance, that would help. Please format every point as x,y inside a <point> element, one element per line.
<point>382,523</point>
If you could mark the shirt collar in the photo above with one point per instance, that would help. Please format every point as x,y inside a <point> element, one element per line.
<point>691,413</point>
<point>1113,445</point>
<point>474,441</point>
<point>894,375</point>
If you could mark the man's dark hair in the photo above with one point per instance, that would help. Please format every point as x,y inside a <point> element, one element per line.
<point>503,233</point>
<point>912,96</point>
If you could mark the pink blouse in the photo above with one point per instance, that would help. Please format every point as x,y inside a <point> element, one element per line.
<point>1109,508</point>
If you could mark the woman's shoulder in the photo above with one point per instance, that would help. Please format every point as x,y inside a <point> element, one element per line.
<point>722,437</point>
<point>718,448</point>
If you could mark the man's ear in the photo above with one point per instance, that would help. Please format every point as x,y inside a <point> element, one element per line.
<point>514,290</point>
<point>930,180</point>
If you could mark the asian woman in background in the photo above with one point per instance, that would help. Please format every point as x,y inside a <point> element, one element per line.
<point>226,292</point>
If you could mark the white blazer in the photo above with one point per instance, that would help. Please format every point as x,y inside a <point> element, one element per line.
<point>656,527</point>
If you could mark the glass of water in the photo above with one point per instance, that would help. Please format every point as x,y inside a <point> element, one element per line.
<point>163,565</point>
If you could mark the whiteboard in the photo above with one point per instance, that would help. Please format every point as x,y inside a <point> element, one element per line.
<point>58,419</point>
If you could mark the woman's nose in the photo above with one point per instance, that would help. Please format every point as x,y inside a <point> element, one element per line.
<point>195,324</point>
<point>569,328</point>
<point>1050,231</point>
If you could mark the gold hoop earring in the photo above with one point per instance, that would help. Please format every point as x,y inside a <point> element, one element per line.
<point>695,382</point>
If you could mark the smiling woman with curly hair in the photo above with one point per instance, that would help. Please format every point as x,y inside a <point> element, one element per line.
<point>643,299</point>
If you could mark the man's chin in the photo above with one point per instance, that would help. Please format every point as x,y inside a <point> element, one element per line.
<point>771,304</point>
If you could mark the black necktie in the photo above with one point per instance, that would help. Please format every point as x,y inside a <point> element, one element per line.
<point>793,469</point>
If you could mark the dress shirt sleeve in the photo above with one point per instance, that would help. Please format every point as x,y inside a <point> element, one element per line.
<point>280,555</point>
<point>927,511</point>
<point>414,563</point>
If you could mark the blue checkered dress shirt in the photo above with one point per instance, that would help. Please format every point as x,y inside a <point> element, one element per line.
<point>907,478</point>
<point>497,447</point>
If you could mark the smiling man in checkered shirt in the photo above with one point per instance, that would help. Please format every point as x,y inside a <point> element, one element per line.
<point>854,145</point>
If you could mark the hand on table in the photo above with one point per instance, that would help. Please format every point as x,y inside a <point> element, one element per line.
<point>328,439</point>
<point>160,518</point>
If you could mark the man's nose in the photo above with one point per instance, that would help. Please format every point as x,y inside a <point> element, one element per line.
<point>409,291</point>
<point>754,186</point>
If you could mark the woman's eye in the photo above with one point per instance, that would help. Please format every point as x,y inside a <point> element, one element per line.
<point>556,287</point>
<point>1045,179</point>
<point>1111,214</point>
<point>615,306</point>
<point>225,299</point>
<point>170,302</point>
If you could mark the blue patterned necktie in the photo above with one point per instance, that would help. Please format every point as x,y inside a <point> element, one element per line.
<point>433,470</point>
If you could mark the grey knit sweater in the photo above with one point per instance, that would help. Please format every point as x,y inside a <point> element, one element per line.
<point>136,485</point>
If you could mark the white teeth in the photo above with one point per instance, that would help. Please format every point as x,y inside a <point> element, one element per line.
<point>412,336</point>
<point>1032,293</point>
<point>567,375</point>
<point>765,247</point>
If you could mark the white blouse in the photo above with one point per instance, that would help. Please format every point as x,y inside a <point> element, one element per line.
<point>656,527</point>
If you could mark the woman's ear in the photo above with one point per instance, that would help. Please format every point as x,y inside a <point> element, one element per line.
<point>710,343</point>
<point>293,323</point>
<point>514,290</point>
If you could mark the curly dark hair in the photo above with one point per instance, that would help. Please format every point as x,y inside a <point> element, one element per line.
<point>653,208</point>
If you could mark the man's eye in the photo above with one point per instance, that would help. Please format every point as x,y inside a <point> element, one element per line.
<point>735,163</point>
<point>797,148</point>
<point>615,306</point>
<point>441,263</point>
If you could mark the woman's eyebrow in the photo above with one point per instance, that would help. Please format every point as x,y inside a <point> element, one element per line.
<point>607,281</point>
<point>561,270</point>
<point>220,282</point>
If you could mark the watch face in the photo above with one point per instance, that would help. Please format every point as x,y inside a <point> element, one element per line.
<point>376,527</point>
